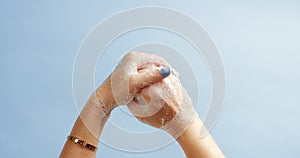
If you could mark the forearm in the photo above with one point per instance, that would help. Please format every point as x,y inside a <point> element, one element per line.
<point>72,150</point>
<point>89,124</point>
<point>195,146</point>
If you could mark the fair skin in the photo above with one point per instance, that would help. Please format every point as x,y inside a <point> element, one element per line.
<point>192,145</point>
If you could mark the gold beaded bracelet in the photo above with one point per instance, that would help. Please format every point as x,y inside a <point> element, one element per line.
<point>82,143</point>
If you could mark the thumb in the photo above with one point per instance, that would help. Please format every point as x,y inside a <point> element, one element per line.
<point>148,77</point>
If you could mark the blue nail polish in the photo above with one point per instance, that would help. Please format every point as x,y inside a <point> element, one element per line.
<point>165,71</point>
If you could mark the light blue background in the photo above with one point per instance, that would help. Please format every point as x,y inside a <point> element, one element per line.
<point>258,42</point>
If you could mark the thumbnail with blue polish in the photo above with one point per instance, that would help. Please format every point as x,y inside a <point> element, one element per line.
<point>165,71</point>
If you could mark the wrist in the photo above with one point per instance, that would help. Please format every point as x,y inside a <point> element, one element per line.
<point>196,146</point>
<point>105,97</point>
<point>182,121</point>
<point>192,132</point>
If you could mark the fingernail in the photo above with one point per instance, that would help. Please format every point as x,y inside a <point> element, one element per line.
<point>165,71</point>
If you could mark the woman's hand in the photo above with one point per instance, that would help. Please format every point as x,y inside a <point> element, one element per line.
<point>164,105</point>
<point>119,88</point>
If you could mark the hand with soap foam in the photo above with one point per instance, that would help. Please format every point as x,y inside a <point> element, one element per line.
<point>166,105</point>
<point>121,86</point>
<point>118,89</point>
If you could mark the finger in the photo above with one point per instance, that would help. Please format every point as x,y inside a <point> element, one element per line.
<point>145,94</point>
<point>142,98</point>
<point>148,77</point>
